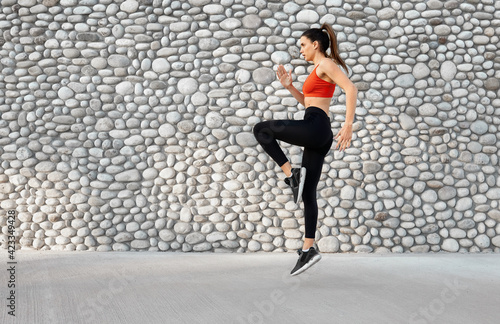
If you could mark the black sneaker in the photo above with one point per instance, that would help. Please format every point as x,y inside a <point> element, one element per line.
<point>296,182</point>
<point>306,260</point>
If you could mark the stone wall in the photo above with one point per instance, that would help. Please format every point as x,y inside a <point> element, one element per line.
<point>126,125</point>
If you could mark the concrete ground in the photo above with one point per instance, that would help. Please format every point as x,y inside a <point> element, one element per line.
<point>155,287</point>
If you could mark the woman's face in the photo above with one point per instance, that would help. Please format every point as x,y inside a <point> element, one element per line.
<point>307,48</point>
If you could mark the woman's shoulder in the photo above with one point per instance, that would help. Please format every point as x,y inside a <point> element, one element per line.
<point>328,62</point>
<point>328,65</point>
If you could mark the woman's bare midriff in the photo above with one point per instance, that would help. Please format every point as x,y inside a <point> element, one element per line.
<point>322,103</point>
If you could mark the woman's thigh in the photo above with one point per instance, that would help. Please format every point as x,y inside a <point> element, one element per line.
<point>297,132</point>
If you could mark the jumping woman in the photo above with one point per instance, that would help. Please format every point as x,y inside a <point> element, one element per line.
<point>314,132</point>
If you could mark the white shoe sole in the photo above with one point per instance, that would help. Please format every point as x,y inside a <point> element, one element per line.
<point>301,184</point>
<point>313,261</point>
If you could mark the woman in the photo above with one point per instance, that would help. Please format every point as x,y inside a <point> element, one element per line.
<point>314,132</point>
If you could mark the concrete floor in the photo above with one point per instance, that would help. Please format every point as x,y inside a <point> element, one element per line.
<point>154,287</point>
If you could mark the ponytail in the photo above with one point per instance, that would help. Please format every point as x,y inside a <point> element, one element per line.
<point>334,50</point>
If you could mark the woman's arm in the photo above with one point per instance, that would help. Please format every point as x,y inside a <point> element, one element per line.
<point>332,70</point>
<point>296,94</point>
<point>286,81</point>
<point>351,96</point>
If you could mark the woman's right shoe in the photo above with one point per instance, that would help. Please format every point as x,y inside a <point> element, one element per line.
<point>306,260</point>
<point>296,182</point>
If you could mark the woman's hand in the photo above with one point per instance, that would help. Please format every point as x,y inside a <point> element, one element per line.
<point>344,137</point>
<point>284,76</point>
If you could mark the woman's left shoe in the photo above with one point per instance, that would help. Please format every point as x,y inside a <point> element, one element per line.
<point>296,182</point>
<point>306,260</point>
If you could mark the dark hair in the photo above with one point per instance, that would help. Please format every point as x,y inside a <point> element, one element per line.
<point>326,40</point>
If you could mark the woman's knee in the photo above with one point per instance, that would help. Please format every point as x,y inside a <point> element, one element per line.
<point>261,132</point>
<point>257,129</point>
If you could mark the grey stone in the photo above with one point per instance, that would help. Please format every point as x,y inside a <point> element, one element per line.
<point>140,244</point>
<point>450,245</point>
<point>214,120</point>
<point>466,224</point>
<point>481,39</point>
<point>160,65</point>
<point>429,196</point>
<point>129,6</point>
<point>464,204</point>
<point>329,244</point>
<point>280,57</point>
<point>230,24</point>
<point>427,109</point>
<point>104,125</point>
<point>167,130</point>
<point>347,193</point>
<point>178,27</point>
<point>199,3</point>
<point>213,9</point>
<point>493,194</point>
<point>23,153</point>
<point>307,16</point>
<point>291,8</point>
<point>201,247</point>
<point>186,126</point>
<point>483,241</point>
<point>492,84</point>
<point>243,76</point>
<point>370,167</point>
<point>65,93</point>
<point>88,37</point>
<point>392,59</point>
<point>479,127</point>
<point>421,71</point>
<point>262,237</point>
<point>251,21</point>
<point>195,238</point>
<point>125,88</point>
<point>45,167</point>
<point>442,30</point>
<point>448,70</point>
<point>27,3</point>
<point>124,237</point>
<point>65,120</point>
<point>118,61</point>
<point>208,44</point>
<point>447,193</point>
<point>167,235</point>
<point>496,241</point>
<point>263,76</point>
<point>386,13</point>
<point>407,122</point>
<point>494,214</point>
<point>405,80</point>
<point>128,176</point>
<point>374,95</point>
<point>182,228</point>
<point>430,228</point>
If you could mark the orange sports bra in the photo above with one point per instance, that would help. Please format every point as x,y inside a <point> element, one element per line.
<point>314,86</point>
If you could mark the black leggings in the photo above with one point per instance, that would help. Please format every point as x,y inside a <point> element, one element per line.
<point>315,135</point>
